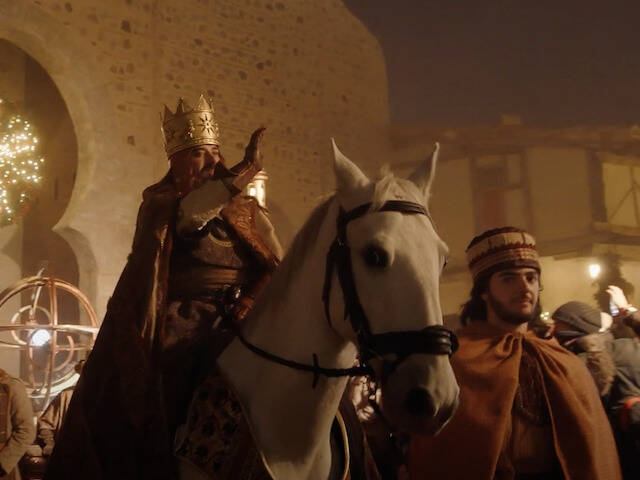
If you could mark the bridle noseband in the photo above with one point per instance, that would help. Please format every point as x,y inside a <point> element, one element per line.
<point>434,340</point>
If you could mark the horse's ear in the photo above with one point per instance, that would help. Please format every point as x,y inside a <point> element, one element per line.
<point>348,175</point>
<point>423,176</point>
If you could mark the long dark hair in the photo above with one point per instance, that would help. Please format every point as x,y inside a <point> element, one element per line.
<point>475,308</point>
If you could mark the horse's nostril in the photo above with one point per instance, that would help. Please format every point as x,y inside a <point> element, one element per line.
<point>418,402</point>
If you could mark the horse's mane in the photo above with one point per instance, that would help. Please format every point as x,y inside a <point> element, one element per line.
<point>385,188</point>
<point>292,261</point>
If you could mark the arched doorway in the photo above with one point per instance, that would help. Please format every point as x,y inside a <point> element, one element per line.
<point>33,243</point>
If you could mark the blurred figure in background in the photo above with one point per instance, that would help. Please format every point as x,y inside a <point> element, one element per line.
<point>542,325</point>
<point>51,420</point>
<point>387,449</point>
<point>615,367</point>
<point>17,429</point>
<point>627,320</point>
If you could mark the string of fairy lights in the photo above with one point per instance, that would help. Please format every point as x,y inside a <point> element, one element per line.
<point>20,164</point>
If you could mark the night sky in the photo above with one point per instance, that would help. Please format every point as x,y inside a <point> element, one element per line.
<point>554,63</point>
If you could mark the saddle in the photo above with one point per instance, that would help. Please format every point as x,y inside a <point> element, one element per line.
<point>218,441</point>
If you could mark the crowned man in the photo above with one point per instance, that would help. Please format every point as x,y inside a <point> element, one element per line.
<point>201,252</point>
<point>528,408</point>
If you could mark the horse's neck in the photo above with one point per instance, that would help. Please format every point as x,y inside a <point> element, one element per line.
<point>291,421</point>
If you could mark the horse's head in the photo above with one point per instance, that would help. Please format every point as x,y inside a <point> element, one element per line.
<point>396,259</point>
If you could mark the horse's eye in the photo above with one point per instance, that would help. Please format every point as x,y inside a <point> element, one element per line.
<point>375,257</point>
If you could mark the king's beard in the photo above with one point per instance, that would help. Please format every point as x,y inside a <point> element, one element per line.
<point>513,318</point>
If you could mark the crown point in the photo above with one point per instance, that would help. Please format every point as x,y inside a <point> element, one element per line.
<point>167,114</point>
<point>182,107</point>
<point>203,104</point>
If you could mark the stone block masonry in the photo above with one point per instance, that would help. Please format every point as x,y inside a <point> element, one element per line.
<point>305,69</point>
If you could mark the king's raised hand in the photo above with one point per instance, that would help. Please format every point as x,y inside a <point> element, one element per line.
<point>252,152</point>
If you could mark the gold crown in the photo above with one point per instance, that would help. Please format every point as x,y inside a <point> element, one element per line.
<point>189,127</point>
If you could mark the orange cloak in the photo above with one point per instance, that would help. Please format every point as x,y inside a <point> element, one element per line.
<point>487,367</point>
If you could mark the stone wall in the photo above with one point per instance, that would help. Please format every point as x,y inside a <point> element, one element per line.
<point>307,70</point>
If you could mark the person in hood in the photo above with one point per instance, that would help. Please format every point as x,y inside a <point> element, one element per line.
<point>614,364</point>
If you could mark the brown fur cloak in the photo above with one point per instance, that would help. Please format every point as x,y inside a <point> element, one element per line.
<point>486,368</point>
<point>115,427</point>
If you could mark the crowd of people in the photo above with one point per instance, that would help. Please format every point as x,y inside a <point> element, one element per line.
<point>557,402</point>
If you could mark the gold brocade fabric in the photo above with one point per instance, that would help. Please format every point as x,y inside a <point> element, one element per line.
<point>219,442</point>
<point>218,439</point>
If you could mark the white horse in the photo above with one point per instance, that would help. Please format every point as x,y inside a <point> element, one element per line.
<point>396,259</point>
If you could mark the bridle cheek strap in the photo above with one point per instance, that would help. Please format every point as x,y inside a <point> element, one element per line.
<point>433,340</point>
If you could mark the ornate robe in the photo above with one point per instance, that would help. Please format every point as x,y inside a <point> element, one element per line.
<point>118,424</point>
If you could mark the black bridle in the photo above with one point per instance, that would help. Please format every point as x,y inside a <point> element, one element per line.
<point>434,340</point>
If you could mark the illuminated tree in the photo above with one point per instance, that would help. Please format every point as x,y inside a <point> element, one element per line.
<point>20,164</point>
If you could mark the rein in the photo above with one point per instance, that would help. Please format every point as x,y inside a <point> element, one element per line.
<point>434,340</point>
<point>316,369</point>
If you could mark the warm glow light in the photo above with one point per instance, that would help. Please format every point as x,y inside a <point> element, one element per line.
<point>39,338</point>
<point>594,270</point>
<point>19,161</point>
<point>257,188</point>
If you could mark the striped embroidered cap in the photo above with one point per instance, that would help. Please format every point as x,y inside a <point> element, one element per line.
<point>501,248</point>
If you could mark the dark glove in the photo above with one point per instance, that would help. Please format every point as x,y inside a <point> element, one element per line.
<point>252,151</point>
<point>244,171</point>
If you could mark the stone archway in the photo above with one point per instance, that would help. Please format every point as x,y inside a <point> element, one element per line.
<point>28,86</point>
<point>71,69</point>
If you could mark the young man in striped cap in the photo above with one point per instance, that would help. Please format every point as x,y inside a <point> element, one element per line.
<point>528,408</point>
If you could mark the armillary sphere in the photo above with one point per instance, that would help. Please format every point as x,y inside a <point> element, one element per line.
<point>50,347</point>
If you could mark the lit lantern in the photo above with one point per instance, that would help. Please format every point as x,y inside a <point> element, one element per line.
<point>258,188</point>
